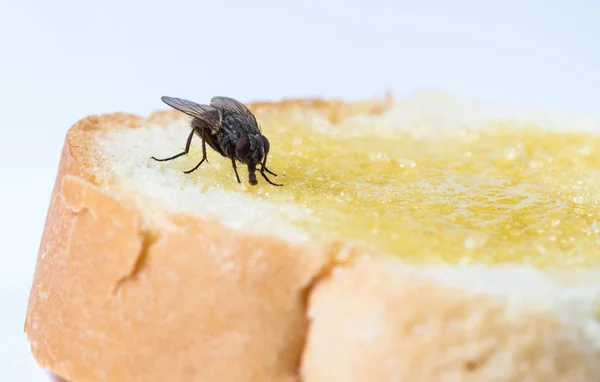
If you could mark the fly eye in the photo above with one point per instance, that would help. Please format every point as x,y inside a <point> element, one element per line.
<point>242,147</point>
<point>266,144</point>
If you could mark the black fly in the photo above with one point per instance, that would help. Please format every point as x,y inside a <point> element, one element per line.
<point>230,129</point>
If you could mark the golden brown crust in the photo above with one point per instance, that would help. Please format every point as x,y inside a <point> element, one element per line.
<point>395,327</point>
<point>333,110</point>
<point>112,300</point>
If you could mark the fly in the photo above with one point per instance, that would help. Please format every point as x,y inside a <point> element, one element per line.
<point>230,129</point>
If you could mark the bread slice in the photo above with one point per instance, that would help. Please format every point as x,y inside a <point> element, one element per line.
<point>425,239</point>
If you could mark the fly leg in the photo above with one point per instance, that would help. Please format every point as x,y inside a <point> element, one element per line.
<point>263,167</point>
<point>262,172</point>
<point>235,170</point>
<point>269,171</point>
<point>187,149</point>
<point>203,154</point>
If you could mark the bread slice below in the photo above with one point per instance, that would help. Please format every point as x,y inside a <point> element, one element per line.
<point>416,240</point>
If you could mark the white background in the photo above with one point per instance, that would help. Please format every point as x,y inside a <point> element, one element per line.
<point>62,60</point>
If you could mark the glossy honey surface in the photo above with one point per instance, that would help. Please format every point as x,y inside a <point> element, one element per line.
<point>499,193</point>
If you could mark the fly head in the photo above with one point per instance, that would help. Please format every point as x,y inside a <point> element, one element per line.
<point>252,150</point>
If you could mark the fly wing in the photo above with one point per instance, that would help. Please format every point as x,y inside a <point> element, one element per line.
<point>229,104</point>
<point>205,113</point>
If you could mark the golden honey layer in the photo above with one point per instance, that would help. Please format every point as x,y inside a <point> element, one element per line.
<point>496,194</point>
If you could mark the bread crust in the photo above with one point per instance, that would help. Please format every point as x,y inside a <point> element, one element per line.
<point>407,328</point>
<point>116,297</point>
<point>114,300</point>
